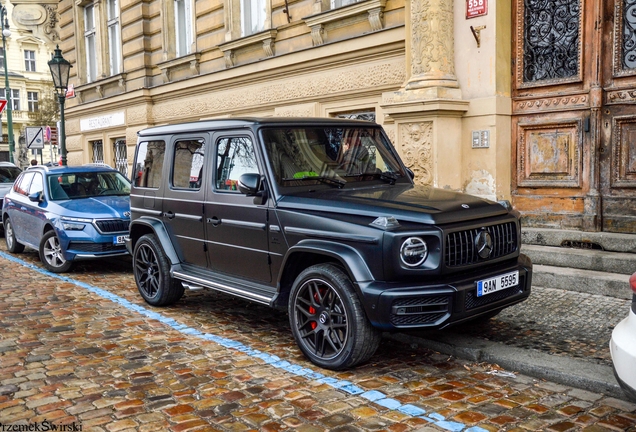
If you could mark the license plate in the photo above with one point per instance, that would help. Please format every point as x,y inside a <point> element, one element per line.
<point>119,240</point>
<point>498,283</point>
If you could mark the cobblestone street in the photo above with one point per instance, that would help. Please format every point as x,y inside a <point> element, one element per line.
<point>83,349</point>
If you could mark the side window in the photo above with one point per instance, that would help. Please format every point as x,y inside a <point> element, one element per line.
<point>149,164</point>
<point>234,156</point>
<point>187,168</point>
<point>36,184</point>
<point>22,185</point>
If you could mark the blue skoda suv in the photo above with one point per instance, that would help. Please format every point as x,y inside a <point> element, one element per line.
<point>68,213</point>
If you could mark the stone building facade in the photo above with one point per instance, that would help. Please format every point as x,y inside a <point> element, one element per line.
<point>415,67</point>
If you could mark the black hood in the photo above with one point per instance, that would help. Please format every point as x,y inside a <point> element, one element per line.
<point>421,204</point>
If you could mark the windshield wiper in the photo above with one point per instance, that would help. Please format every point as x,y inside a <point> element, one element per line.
<point>327,180</point>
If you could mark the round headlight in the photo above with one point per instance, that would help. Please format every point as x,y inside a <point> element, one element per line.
<point>413,251</point>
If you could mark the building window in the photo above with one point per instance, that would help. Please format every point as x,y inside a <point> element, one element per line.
<point>89,41</point>
<point>2,58</point>
<point>98,151</point>
<point>32,99</point>
<point>183,26</point>
<point>15,98</point>
<point>340,3</point>
<point>114,37</point>
<point>253,16</point>
<point>121,156</point>
<point>29,61</point>
<point>3,93</point>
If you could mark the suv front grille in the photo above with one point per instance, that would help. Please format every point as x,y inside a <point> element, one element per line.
<point>105,226</point>
<point>420,310</point>
<point>460,245</point>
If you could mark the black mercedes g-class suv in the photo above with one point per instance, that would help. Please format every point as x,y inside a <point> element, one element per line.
<point>319,217</point>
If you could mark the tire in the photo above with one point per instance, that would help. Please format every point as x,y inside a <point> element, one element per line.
<point>152,273</point>
<point>13,245</point>
<point>52,255</point>
<point>328,321</point>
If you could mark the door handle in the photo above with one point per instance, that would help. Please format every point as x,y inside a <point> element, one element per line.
<point>214,221</point>
<point>169,215</point>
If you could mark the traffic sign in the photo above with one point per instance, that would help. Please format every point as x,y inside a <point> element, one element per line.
<point>35,137</point>
<point>3,105</point>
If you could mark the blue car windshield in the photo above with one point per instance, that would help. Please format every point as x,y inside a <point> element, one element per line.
<point>87,185</point>
<point>330,155</point>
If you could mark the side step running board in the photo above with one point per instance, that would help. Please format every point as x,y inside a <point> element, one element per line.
<point>196,283</point>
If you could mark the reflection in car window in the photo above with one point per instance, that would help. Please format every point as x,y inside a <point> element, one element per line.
<point>9,174</point>
<point>36,185</point>
<point>22,185</point>
<point>234,157</point>
<point>149,163</point>
<point>87,185</point>
<point>342,154</point>
<point>187,170</point>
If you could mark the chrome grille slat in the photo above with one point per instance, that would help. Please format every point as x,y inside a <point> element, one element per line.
<point>460,248</point>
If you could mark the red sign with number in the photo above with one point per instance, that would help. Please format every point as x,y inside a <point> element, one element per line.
<point>3,105</point>
<point>475,8</point>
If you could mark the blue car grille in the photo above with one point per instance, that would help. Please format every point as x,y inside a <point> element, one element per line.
<point>112,225</point>
<point>95,247</point>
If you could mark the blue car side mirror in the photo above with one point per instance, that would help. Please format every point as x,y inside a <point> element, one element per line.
<point>36,197</point>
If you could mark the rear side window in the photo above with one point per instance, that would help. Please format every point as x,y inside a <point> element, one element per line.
<point>187,169</point>
<point>148,164</point>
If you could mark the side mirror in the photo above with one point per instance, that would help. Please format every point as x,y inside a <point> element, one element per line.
<point>36,197</point>
<point>410,172</point>
<point>249,184</point>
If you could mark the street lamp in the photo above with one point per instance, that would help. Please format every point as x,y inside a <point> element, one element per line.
<point>5,34</point>
<point>60,70</point>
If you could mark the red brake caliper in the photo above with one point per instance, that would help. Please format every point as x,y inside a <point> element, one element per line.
<point>314,324</point>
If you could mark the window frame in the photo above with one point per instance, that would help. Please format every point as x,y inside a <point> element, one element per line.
<point>33,102</point>
<point>113,14</point>
<point>29,61</point>
<point>90,42</point>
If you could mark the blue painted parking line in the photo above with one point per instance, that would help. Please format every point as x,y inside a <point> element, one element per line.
<point>275,361</point>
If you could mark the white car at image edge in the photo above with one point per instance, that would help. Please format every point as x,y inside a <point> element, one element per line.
<point>623,348</point>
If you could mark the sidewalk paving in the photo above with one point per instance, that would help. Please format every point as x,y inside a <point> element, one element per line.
<point>84,349</point>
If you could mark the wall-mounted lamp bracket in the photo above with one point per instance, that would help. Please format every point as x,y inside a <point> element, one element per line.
<point>476,33</point>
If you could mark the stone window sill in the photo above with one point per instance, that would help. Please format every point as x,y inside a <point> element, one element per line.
<point>190,60</point>
<point>266,39</point>
<point>373,8</point>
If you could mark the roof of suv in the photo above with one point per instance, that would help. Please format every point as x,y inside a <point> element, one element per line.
<point>245,122</point>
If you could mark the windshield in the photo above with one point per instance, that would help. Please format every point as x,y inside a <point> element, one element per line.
<point>87,185</point>
<point>329,155</point>
<point>8,174</point>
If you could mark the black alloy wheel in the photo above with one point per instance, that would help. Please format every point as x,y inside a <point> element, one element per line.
<point>328,321</point>
<point>152,273</point>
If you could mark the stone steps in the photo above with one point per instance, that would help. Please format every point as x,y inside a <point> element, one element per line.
<point>594,263</point>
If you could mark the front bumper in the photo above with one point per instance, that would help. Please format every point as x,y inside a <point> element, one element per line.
<point>623,351</point>
<point>442,302</point>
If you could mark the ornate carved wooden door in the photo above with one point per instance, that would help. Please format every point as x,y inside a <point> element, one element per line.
<point>574,114</point>
<point>554,83</point>
<point>617,147</point>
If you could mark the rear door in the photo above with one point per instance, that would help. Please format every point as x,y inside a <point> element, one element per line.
<point>183,199</point>
<point>236,225</point>
<point>18,204</point>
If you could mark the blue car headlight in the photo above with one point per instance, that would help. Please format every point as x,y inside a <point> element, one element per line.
<point>74,224</point>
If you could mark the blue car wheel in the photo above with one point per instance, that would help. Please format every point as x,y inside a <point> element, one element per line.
<point>52,255</point>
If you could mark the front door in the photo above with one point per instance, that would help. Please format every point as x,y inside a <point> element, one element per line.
<point>236,225</point>
<point>574,114</point>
